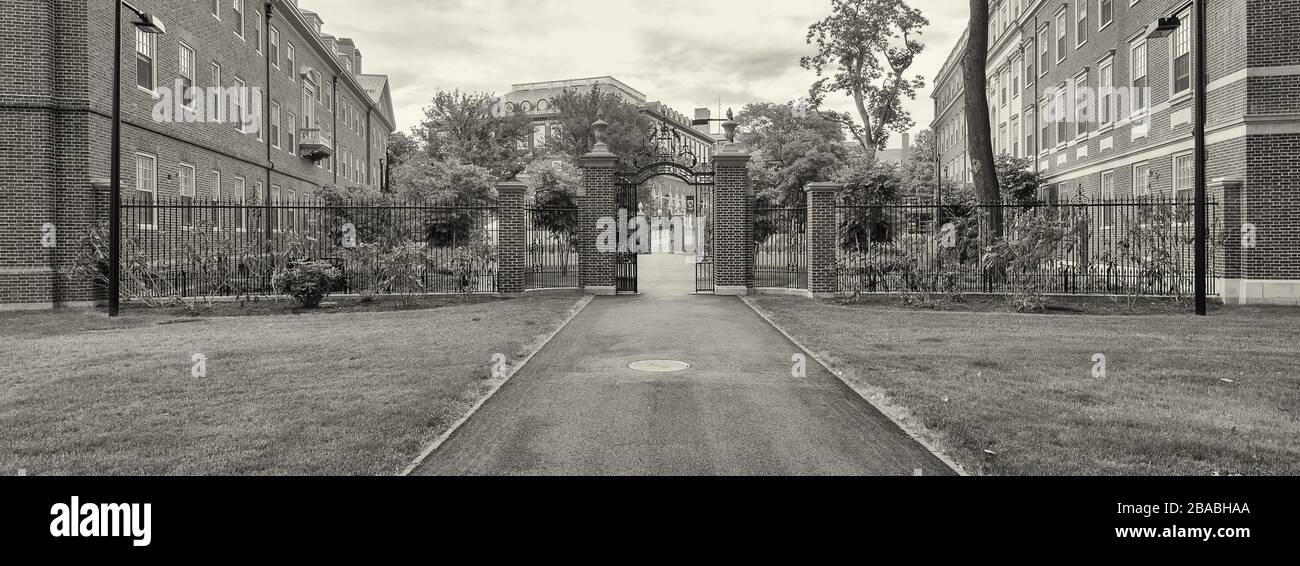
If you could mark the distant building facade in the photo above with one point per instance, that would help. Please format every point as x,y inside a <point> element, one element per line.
<point>187,130</point>
<point>1103,111</point>
<point>670,196</point>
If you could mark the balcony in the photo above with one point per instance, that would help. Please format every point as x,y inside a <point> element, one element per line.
<point>315,144</point>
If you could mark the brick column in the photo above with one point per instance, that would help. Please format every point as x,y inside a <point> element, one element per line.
<point>1229,267</point>
<point>821,227</point>
<point>733,223</point>
<point>596,202</point>
<point>512,237</point>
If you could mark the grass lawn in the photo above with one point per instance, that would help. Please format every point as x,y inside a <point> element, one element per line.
<point>1011,394</point>
<point>320,393</point>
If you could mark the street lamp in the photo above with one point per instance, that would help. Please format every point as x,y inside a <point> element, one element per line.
<point>1163,28</point>
<point>147,23</point>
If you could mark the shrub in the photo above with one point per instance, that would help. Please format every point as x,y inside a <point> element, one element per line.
<point>1033,244</point>
<point>307,282</point>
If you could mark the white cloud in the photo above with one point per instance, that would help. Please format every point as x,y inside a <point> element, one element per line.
<point>686,53</point>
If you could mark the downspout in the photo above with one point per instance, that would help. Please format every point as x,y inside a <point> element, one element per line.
<point>369,144</point>
<point>266,123</point>
<point>334,119</point>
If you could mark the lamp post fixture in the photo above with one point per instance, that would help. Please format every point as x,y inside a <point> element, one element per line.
<point>150,24</point>
<point>1163,28</point>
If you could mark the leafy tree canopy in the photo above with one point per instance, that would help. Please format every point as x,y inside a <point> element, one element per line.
<point>789,151</point>
<point>468,128</point>
<point>630,129</point>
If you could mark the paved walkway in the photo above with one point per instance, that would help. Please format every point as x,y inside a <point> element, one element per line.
<point>577,408</point>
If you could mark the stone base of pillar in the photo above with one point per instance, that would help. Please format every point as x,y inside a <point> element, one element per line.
<point>1259,291</point>
<point>729,291</point>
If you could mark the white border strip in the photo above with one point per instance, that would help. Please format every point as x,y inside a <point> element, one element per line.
<point>581,306</point>
<point>866,393</point>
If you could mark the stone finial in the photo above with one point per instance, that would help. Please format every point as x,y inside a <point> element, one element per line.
<point>598,130</point>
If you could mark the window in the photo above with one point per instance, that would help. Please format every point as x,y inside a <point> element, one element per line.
<point>145,71</point>
<point>1002,88</point>
<point>290,56</point>
<point>1108,195</point>
<point>1081,23</point>
<point>239,102</point>
<point>215,7</point>
<point>1106,13</point>
<point>1106,91</point>
<point>146,188</point>
<point>241,192</point>
<point>291,217</point>
<point>275,125</point>
<point>1182,51</point>
<point>275,47</point>
<point>1044,51</point>
<point>257,31</point>
<point>1061,34</point>
<point>1030,149</point>
<point>1046,139</point>
<point>216,74</point>
<point>1029,70</point>
<point>539,137</point>
<point>1015,137</point>
<point>239,18</point>
<point>308,105</point>
<point>185,178</point>
<point>1062,122</point>
<point>1142,180</point>
<point>186,71</point>
<point>1138,69</point>
<point>292,131</point>
<point>1184,178</point>
<point>216,199</point>
<point>1002,139</point>
<point>1081,109</point>
<point>277,219</point>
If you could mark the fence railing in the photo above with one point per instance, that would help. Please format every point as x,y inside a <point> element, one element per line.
<point>552,260</point>
<point>188,248</point>
<point>781,248</point>
<point>1139,247</point>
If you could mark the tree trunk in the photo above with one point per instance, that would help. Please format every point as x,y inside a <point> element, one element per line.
<point>979,142</point>
<point>866,140</point>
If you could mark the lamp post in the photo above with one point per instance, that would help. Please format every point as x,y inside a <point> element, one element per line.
<point>150,24</point>
<point>1163,28</point>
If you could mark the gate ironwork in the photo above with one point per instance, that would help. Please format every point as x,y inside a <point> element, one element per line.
<point>552,259</point>
<point>672,158</point>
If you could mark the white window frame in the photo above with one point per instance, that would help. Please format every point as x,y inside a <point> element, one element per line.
<point>239,8</point>
<point>1103,24</point>
<point>1062,32</point>
<point>1142,93</point>
<point>293,133</point>
<point>242,106</point>
<point>241,198</point>
<point>191,192</point>
<point>1107,196</point>
<point>279,211</point>
<point>290,61</point>
<point>147,41</point>
<point>1106,96</point>
<point>1080,125</point>
<point>1044,50</point>
<point>273,44</point>
<point>1146,187</point>
<point>186,57</point>
<point>1081,23</point>
<point>215,198</point>
<point>1190,176</point>
<point>152,188</point>
<point>1181,35</point>
<point>276,125</point>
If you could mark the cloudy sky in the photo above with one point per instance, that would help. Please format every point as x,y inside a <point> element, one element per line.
<point>686,53</point>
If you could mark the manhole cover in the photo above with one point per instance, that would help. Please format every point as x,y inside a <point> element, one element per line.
<point>659,366</point>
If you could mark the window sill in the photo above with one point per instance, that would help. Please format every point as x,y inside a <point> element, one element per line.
<point>1179,97</point>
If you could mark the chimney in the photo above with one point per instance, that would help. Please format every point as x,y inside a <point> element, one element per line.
<point>907,145</point>
<point>703,114</point>
<point>356,61</point>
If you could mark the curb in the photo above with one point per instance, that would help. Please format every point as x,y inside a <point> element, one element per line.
<point>581,305</point>
<point>916,432</point>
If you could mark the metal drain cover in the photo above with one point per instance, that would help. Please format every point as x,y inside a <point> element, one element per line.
<point>659,366</point>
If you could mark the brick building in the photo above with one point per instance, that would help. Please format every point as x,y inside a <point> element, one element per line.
<point>326,123</point>
<point>1102,111</point>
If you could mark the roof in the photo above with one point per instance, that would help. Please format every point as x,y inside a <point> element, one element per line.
<point>376,86</point>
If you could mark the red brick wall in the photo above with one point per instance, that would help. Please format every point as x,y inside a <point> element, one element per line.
<point>733,223</point>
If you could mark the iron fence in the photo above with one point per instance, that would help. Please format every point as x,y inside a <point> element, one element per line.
<point>781,248</point>
<point>552,248</point>
<point>1138,247</point>
<point>176,246</point>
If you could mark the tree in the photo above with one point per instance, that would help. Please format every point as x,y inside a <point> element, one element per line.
<point>400,149</point>
<point>920,181</point>
<point>1017,181</point>
<point>864,50</point>
<point>465,128</point>
<point>789,151</point>
<point>868,186</point>
<point>630,129</point>
<point>979,135</point>
<point>426,180</point>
